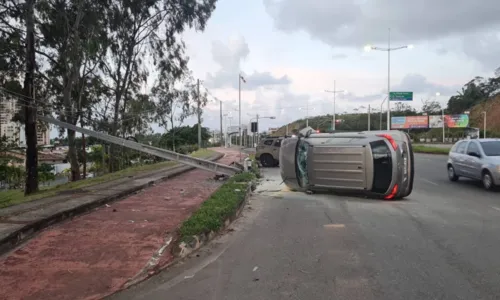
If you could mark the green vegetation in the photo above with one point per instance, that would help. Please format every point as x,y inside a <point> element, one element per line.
<point>476,96</point>
<point>218,208</point>
<point>13,197</point>
<point>430,149</point>
<point>255,166</point>
<point>99,85</point>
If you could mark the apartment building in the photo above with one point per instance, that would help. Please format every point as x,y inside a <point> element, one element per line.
<point>15,131</point>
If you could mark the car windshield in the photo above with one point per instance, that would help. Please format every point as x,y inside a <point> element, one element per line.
<point>491,148</point>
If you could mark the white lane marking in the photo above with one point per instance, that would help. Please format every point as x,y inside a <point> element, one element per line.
<point>496,208</point>
<point>428,181</point>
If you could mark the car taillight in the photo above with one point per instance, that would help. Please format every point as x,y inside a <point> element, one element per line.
<point>393,193</point>
<point>390,139</point>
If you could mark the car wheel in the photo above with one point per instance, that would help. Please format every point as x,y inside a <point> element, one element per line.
<point>487,180</point>
<point>451,173</point>
<point>266,160</point>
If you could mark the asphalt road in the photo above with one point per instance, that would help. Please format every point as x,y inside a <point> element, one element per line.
<point>443,242</point>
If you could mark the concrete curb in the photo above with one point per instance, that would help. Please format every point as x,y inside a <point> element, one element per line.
<point>28,231</point>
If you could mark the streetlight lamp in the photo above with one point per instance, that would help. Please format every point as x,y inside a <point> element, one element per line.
<point>334,92</point>
<point>388,49</point>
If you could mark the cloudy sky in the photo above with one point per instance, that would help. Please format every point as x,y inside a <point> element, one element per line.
<point>290,51</point>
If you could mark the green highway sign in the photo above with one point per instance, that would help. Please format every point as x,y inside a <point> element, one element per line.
<point>401,96</point>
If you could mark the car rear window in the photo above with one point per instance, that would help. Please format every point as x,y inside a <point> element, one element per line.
<point>382,166</point>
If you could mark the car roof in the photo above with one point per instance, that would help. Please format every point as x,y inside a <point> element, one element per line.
<point>480,140</point>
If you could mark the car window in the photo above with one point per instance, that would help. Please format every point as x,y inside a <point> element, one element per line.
<point>461,147</point>
<point>473,148</point>
<point>277,143</point>
<point>268,142</point>
<point>491,148</point>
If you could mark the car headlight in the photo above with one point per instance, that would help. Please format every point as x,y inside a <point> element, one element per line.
<point>498,168</point>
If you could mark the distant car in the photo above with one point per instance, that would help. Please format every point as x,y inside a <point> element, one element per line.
<point>374,163</point>
<point>268,150</point>
<point>476,159</point>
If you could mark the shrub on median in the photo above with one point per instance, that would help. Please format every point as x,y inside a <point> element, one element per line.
<point>430,149</point>
<point>218,208</point>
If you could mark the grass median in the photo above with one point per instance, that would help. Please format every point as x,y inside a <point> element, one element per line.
<point>13,197</point>
<point>430,149</point>
<point>218,208</point>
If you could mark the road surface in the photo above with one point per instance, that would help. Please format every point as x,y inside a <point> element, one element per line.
<point>443,242</point>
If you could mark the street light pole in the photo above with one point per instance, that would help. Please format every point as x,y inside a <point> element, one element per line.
<point>240,78</point>
<point>334,92</point>
<point>389,80</point>
<point>388,49</point>
<point>334,98</point>
<point>221,133</point>
<point>442,116</point>
<point>307,113</point>
<point>484,125</point>
<point>369,113</point>
<point>381,111</point>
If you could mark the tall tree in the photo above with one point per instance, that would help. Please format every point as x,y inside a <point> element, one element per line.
<point>431,107</point>
<point>136,33</point>
<point>74,39</point>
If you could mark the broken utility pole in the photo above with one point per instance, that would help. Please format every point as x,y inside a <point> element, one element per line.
<point>31,184</point>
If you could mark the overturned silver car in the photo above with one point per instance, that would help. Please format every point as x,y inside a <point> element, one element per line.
<point>375,163</point>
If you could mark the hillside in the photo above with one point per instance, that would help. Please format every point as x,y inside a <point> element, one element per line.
<point>492,108</point>
<point>358,122</point>
<point>348,122</point>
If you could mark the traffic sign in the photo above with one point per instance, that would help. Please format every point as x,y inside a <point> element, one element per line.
<point>401,96</point>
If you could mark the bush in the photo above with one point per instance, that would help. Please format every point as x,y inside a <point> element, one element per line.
<point>220,206</point>
<point>187,149</point>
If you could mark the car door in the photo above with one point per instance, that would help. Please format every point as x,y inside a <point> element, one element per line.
<point>458,158</point>
<point>472,163</point>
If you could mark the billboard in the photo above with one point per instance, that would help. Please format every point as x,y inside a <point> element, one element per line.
<point>409,122</point>
<point>451,121</point>
<point>456,121</point>
<point>436,121</point>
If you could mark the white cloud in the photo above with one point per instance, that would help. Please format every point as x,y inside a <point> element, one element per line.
<point>290,51</point>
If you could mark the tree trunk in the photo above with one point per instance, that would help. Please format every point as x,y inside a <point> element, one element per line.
<point>73,156</point>
<point>84,162</point>
<point>173,135</point>
<point>31,182</point>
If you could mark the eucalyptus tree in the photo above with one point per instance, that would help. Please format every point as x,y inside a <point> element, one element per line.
<point>142,30</point>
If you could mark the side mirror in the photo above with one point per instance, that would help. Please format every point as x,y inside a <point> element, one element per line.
<point>475,154</point>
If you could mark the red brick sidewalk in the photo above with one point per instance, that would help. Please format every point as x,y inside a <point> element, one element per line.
<point>95,254</point>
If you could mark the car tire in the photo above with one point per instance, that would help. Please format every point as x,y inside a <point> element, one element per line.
<point>451,173</point>
<point>487,181</point>
<point>266,160</point>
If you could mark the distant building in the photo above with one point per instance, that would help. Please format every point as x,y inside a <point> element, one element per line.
<point>15,131</point>
<point>272,130</point>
